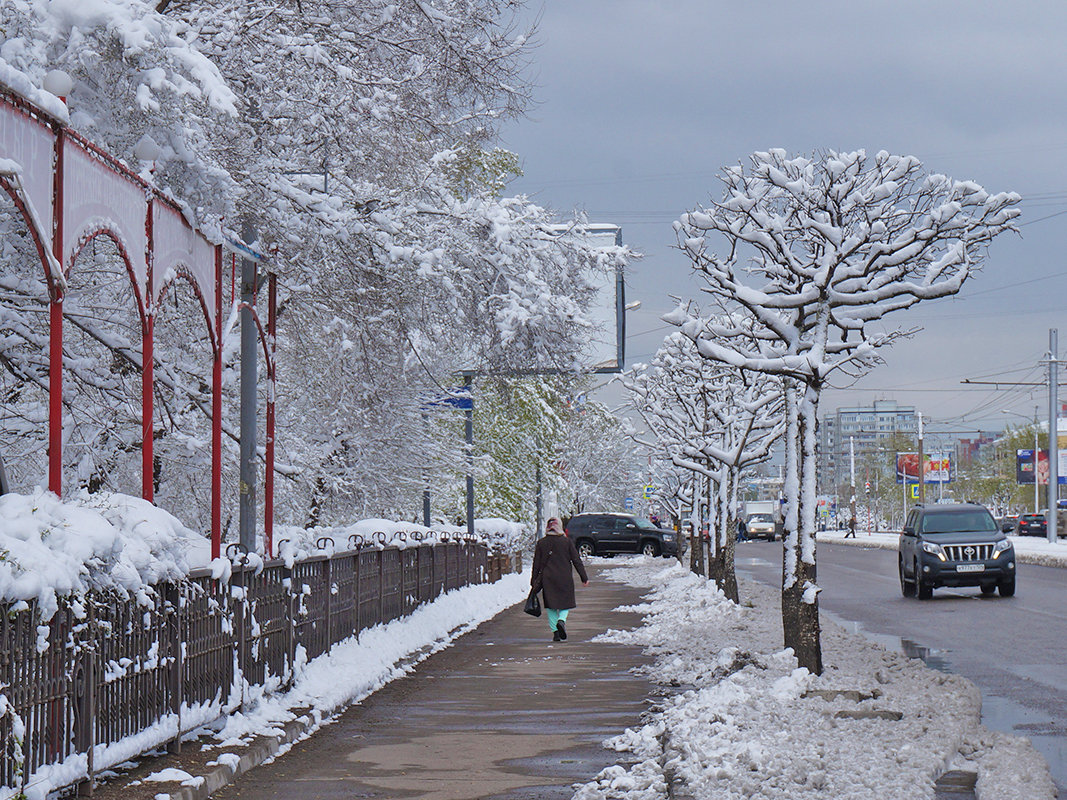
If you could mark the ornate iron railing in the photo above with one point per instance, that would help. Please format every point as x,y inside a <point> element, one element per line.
<point>111,667</point>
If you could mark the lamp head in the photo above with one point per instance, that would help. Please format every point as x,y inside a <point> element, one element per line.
<point>58,83</point>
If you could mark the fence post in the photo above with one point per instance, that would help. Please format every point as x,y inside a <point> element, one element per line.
<point>357,584</point>
<point>381,586</point>
<point>84,691</point>
<point>173,629</point>
<point>239,597</point>
<point>290,625</point>
<point>327,574</point>
<point>419,599</point>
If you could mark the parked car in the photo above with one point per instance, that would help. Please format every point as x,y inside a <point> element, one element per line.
<point>954,545</point>
<point>1008,519</point>
<point>760,526</point>
<point>1032,524</point>
<point>607,533</point>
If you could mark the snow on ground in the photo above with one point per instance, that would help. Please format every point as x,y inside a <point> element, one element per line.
<point>1028,549</point>
<point>741,720</point>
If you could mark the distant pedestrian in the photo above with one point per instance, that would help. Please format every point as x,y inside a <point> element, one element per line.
<point>553,559</point>
<point>742,531</point>
<point>851,527</point>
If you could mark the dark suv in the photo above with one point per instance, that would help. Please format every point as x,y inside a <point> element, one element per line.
<point>954,545</point>
<point>607,534</point>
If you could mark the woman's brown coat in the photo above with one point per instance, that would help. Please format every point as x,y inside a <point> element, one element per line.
<point>553,558</point>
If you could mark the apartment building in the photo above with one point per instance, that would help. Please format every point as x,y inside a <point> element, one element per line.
<point>867,426</point>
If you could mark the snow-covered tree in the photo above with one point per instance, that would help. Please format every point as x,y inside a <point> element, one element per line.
<point>713,420</point>
<point>806,256</point>
<point>356,136</point>
<point>598,463</point>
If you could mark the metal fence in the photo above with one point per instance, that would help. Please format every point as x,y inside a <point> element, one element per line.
<point>112,667</point>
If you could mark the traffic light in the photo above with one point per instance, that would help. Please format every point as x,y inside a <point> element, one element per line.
<point>867,487</point>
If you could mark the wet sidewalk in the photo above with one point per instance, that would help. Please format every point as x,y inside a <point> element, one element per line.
<point>504,713</point>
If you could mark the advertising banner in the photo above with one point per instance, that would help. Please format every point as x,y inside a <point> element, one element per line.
<point>1024,467</point>
<point>937,469</point>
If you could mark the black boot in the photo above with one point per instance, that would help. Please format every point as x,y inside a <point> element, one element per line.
<point>556,637</point>
<point>561,630</point>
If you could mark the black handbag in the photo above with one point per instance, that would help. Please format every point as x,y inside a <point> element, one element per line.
<point>533,604</point>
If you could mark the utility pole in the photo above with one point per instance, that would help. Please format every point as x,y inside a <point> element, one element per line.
<point>469,438</point>
<point>249,367</point>
<point>1053,436</point>
<point>425,485</point>
<point>540,519</point>
<point>4,488</point>
<point>1037,498</point>
<point>922,463</point>
<point>852,483</point>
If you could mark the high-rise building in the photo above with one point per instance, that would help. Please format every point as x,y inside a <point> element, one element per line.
<point>867,426</point>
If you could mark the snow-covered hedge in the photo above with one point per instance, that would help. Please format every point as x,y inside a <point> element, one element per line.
<point>51,548</point>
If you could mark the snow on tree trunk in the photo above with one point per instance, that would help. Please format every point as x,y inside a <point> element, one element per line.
<point>727,534</point>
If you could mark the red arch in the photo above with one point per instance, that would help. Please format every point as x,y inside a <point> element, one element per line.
<point>43,249</point>
<point>105,230</point>
<point>184,272</point>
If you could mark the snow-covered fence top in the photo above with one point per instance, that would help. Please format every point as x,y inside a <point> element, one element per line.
<point>50,549</point>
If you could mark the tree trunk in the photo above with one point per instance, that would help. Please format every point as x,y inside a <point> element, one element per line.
<point>727,536</point>
<point>696,543</point>
<point>800,591</point>
<point>790,540</point>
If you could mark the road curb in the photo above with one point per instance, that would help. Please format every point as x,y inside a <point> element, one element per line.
<point>255,756</point>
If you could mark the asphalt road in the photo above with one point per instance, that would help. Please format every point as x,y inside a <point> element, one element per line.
<point>1013,649</point>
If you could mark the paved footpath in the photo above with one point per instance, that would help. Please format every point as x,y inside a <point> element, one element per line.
<point>505,713</point>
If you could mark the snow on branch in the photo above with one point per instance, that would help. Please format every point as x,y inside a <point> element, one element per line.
<point>813,249</point>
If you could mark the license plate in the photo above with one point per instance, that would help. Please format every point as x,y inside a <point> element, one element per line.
<point>970,568</point>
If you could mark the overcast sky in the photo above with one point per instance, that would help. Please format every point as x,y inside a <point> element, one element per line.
<point>640,104</point>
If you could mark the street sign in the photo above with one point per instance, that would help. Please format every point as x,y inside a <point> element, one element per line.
<point>460,399</point>
<point>628,503</point>
<point>913,491</point>
<point>649,491</point>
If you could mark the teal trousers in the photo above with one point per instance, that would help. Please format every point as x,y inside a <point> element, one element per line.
<point>555,616</point>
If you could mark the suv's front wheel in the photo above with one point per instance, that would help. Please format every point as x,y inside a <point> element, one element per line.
<point>1007,587</point>
<point>907,588</point>
<point>650,548</point>
<point>586,549</point>
<point>923,590</point>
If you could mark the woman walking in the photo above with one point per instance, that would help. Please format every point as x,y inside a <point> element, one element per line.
<point>553,558</point>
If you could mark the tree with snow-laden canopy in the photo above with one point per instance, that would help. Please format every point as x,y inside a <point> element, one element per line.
<point>357,138</point>
<point>803,256</point>
<point>713,420</point>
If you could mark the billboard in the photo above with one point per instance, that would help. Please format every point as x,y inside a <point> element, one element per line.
<point>604,352</point>
<point>1024,467</point>
<point>938,467</point>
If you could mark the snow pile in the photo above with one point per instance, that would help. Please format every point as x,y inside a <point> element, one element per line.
<point>741,720</point>
<point>51,549</point>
